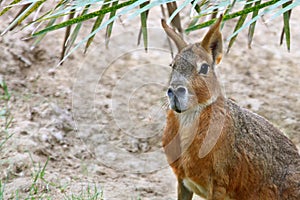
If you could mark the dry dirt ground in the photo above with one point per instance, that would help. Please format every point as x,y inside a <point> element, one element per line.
<point>99,117</point>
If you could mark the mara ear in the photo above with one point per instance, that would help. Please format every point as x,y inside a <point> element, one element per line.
<point>180,43</point>
<point>212,41</point>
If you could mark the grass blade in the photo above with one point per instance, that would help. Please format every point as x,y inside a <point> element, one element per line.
<point>239,24</point>
<point>252,26</point>
<point>6,95</point>
<point>96,25</point>
<point>6,138</point>
<point>2,187</point>
<point>110,25</point>
<point>43,171</point>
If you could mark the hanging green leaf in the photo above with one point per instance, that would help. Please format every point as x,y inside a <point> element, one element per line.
<point>196,7</point>
<point>229,7</point>
<point>59,6</point>
<point>193,22</point>
<point>176,22</point>
<point>144,31</point>
<point>76,30</point>
<point>84,17</point>
<point>233,15</point>
<point>286,26</point>
<point>52,16</point>
<point>24,7</point>
<point>291,6</point>
<point>28,9</point>
<point>151,5</point>
<point>208,7</point>
<point>9,7</point>
<point>128,8</point>
<point>177,10</point>
<point>252,26</point>
<point>67,34</point>
<point>33,7</point>
<point>239,24</point>
<point>96,25</point>
<point>40,37</point>
<point>110,25</point>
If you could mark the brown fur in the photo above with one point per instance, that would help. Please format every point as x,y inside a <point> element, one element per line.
<point>249,158</point>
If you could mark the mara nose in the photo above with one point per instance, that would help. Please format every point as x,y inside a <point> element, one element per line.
<point>178,92</point>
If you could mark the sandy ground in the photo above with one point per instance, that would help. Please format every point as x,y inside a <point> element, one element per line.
<point>99,117</point>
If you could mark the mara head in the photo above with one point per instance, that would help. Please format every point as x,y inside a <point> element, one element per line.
<point>193,81</point>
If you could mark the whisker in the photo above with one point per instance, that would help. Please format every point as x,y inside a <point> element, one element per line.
<point>165,103</point>
<point>159,111</point>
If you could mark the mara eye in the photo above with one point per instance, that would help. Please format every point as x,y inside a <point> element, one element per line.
<point>204,68</point>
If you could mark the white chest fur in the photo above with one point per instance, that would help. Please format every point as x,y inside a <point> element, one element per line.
<point>188,125</point>
<point>198,189</point>
<point>192,186</point>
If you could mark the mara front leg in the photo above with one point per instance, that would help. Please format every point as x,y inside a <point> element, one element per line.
<point>182,192</point>
<point>217,192</point>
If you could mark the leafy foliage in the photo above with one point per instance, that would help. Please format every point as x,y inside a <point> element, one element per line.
<point>105,12</point>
